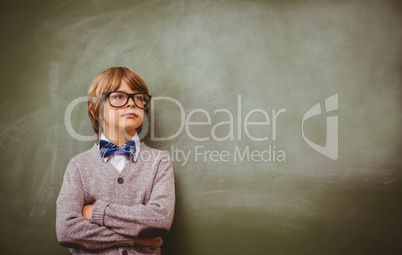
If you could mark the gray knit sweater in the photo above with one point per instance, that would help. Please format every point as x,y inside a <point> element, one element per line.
<point>138,202</point>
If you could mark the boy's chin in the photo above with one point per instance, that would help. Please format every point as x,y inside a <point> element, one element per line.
<point>131,129</point>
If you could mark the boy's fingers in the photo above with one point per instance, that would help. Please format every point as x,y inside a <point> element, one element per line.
<point>156,241</point>
<point>159,241</point>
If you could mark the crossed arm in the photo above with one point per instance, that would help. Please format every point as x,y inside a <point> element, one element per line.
<point>104,225</point>
<point>153,242</point>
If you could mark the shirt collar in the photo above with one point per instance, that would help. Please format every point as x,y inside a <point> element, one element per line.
<point>135,138</point>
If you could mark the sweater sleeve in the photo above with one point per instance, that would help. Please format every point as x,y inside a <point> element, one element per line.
<point>72,228</point>
<point>151,219</point>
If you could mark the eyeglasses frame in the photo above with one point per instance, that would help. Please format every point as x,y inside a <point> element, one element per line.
<point>128,98</point>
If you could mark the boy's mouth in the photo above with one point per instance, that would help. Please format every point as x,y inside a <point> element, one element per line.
<point>130,114</point>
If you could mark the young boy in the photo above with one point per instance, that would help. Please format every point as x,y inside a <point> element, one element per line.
<point>118,197</point>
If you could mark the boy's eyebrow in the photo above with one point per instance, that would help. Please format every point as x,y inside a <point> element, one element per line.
<point>130,93</point>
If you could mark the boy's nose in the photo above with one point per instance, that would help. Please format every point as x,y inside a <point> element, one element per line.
<point>130,103</point>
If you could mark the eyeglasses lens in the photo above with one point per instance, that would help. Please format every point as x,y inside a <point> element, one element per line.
<point>118,99</point>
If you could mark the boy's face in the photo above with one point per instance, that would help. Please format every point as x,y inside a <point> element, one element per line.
<point>123,120</point>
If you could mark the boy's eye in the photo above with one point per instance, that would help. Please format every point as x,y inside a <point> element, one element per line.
<point>117,96</point>
<point>139,98</point>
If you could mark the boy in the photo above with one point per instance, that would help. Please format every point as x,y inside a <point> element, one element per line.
<point>117,197</point>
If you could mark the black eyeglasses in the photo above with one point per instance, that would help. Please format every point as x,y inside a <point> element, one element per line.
<point>120,99</point>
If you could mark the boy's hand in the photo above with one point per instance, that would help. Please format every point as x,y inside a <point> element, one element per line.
<point>87,212</point>
<point>153,242</point>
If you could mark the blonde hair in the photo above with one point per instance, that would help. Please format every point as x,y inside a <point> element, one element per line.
<point>106,81</point>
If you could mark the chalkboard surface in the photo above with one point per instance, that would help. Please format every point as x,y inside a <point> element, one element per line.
<point>282,118</point>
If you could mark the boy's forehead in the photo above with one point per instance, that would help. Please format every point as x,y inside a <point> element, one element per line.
<point>124,87</point>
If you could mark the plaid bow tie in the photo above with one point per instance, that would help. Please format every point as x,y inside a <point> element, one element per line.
<point>107,148</point>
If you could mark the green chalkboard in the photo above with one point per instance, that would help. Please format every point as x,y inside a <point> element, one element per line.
<point>282,118</point>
